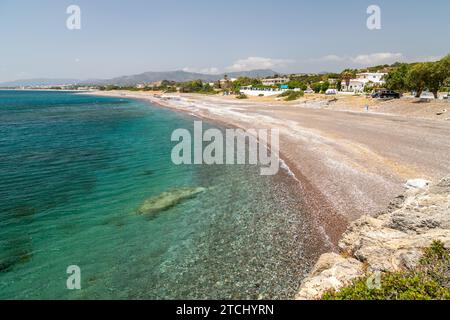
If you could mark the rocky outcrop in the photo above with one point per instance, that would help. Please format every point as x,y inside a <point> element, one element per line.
<point>167,200</point>
<point>392,241</point>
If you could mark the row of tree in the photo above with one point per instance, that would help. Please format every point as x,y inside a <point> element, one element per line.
<point>418,77</point>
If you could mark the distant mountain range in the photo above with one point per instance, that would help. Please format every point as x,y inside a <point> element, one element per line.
<point>147,77</point>
<point>39,82</point>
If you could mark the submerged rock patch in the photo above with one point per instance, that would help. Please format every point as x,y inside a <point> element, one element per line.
<point>167,200</point>
<point>15,251</point>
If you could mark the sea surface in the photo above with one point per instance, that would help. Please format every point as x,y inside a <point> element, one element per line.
<point>75,170</point>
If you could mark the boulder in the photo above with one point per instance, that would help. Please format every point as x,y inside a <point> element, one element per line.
<point>417,184</point>
<point>332,271</point>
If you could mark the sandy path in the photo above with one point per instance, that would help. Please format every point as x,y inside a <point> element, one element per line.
<point>349,163</point>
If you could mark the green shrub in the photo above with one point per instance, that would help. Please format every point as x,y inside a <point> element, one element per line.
<point>430,280</point>
<point>291,95</point>
<point>285,93</point>
<point>170,90</point>
<point>241,96</point>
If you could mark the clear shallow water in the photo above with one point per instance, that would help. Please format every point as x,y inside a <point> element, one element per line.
<point>74,169</point>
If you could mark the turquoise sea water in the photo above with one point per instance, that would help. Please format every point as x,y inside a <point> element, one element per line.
<point>74,169</point>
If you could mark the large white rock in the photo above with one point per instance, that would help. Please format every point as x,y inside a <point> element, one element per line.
<point>332,271</point>
<point>417,184</point>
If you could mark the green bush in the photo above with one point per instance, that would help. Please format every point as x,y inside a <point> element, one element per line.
<point>241,96</point>
<point>430,280</point>
<point>294,84</point>
<point>285,94</point>
<point>170,90</point>
<point>291,95</point>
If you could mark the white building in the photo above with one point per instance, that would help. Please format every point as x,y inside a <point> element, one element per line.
<point>363,79</point>
<point>274,81</point>
<point>263,92</point>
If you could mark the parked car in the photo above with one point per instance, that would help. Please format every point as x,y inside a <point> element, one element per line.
<point>446,97</point>
<point>426,96</point>
<point>386,94</point>
<point>331,92</point>
<point>309,91</point>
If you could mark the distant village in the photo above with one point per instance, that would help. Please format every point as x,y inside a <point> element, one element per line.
<point>269,86</point>
<point>266,86</point>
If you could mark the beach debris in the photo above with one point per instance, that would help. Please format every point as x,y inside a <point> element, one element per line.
<point>332,100</point>
<point>417,184</point>
<point>167,200</point>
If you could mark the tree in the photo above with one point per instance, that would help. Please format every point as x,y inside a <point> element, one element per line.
<point>396,78</point>
<point>191,86</point>
<point>245,81</point>
<point>293,84</point>
<point>325,86</point>
<point>416,78</point>
<point>444,68</point>
<point>347,75</point>
<point>226,83</point>
<point>435,77</point>
<point>429,75</point>
<point>317,87</point>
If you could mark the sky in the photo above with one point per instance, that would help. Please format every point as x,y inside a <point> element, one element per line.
<point>119,37</point>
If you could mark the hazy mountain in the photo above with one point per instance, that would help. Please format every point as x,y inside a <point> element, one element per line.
<point>39,82</point>
<point>179,76</point>
<point>146,77</point>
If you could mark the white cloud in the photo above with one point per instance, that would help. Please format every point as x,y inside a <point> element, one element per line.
<point>329,58</point>
<point>248,64</point>
<point>376,58</point>
<point>426,59</point>
<point>332,57</point>
<point>253,63</point>
<point>362,59</point>
<point>211,70</point>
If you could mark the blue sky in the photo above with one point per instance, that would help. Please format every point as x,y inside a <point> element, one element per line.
<point>126,37</point>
